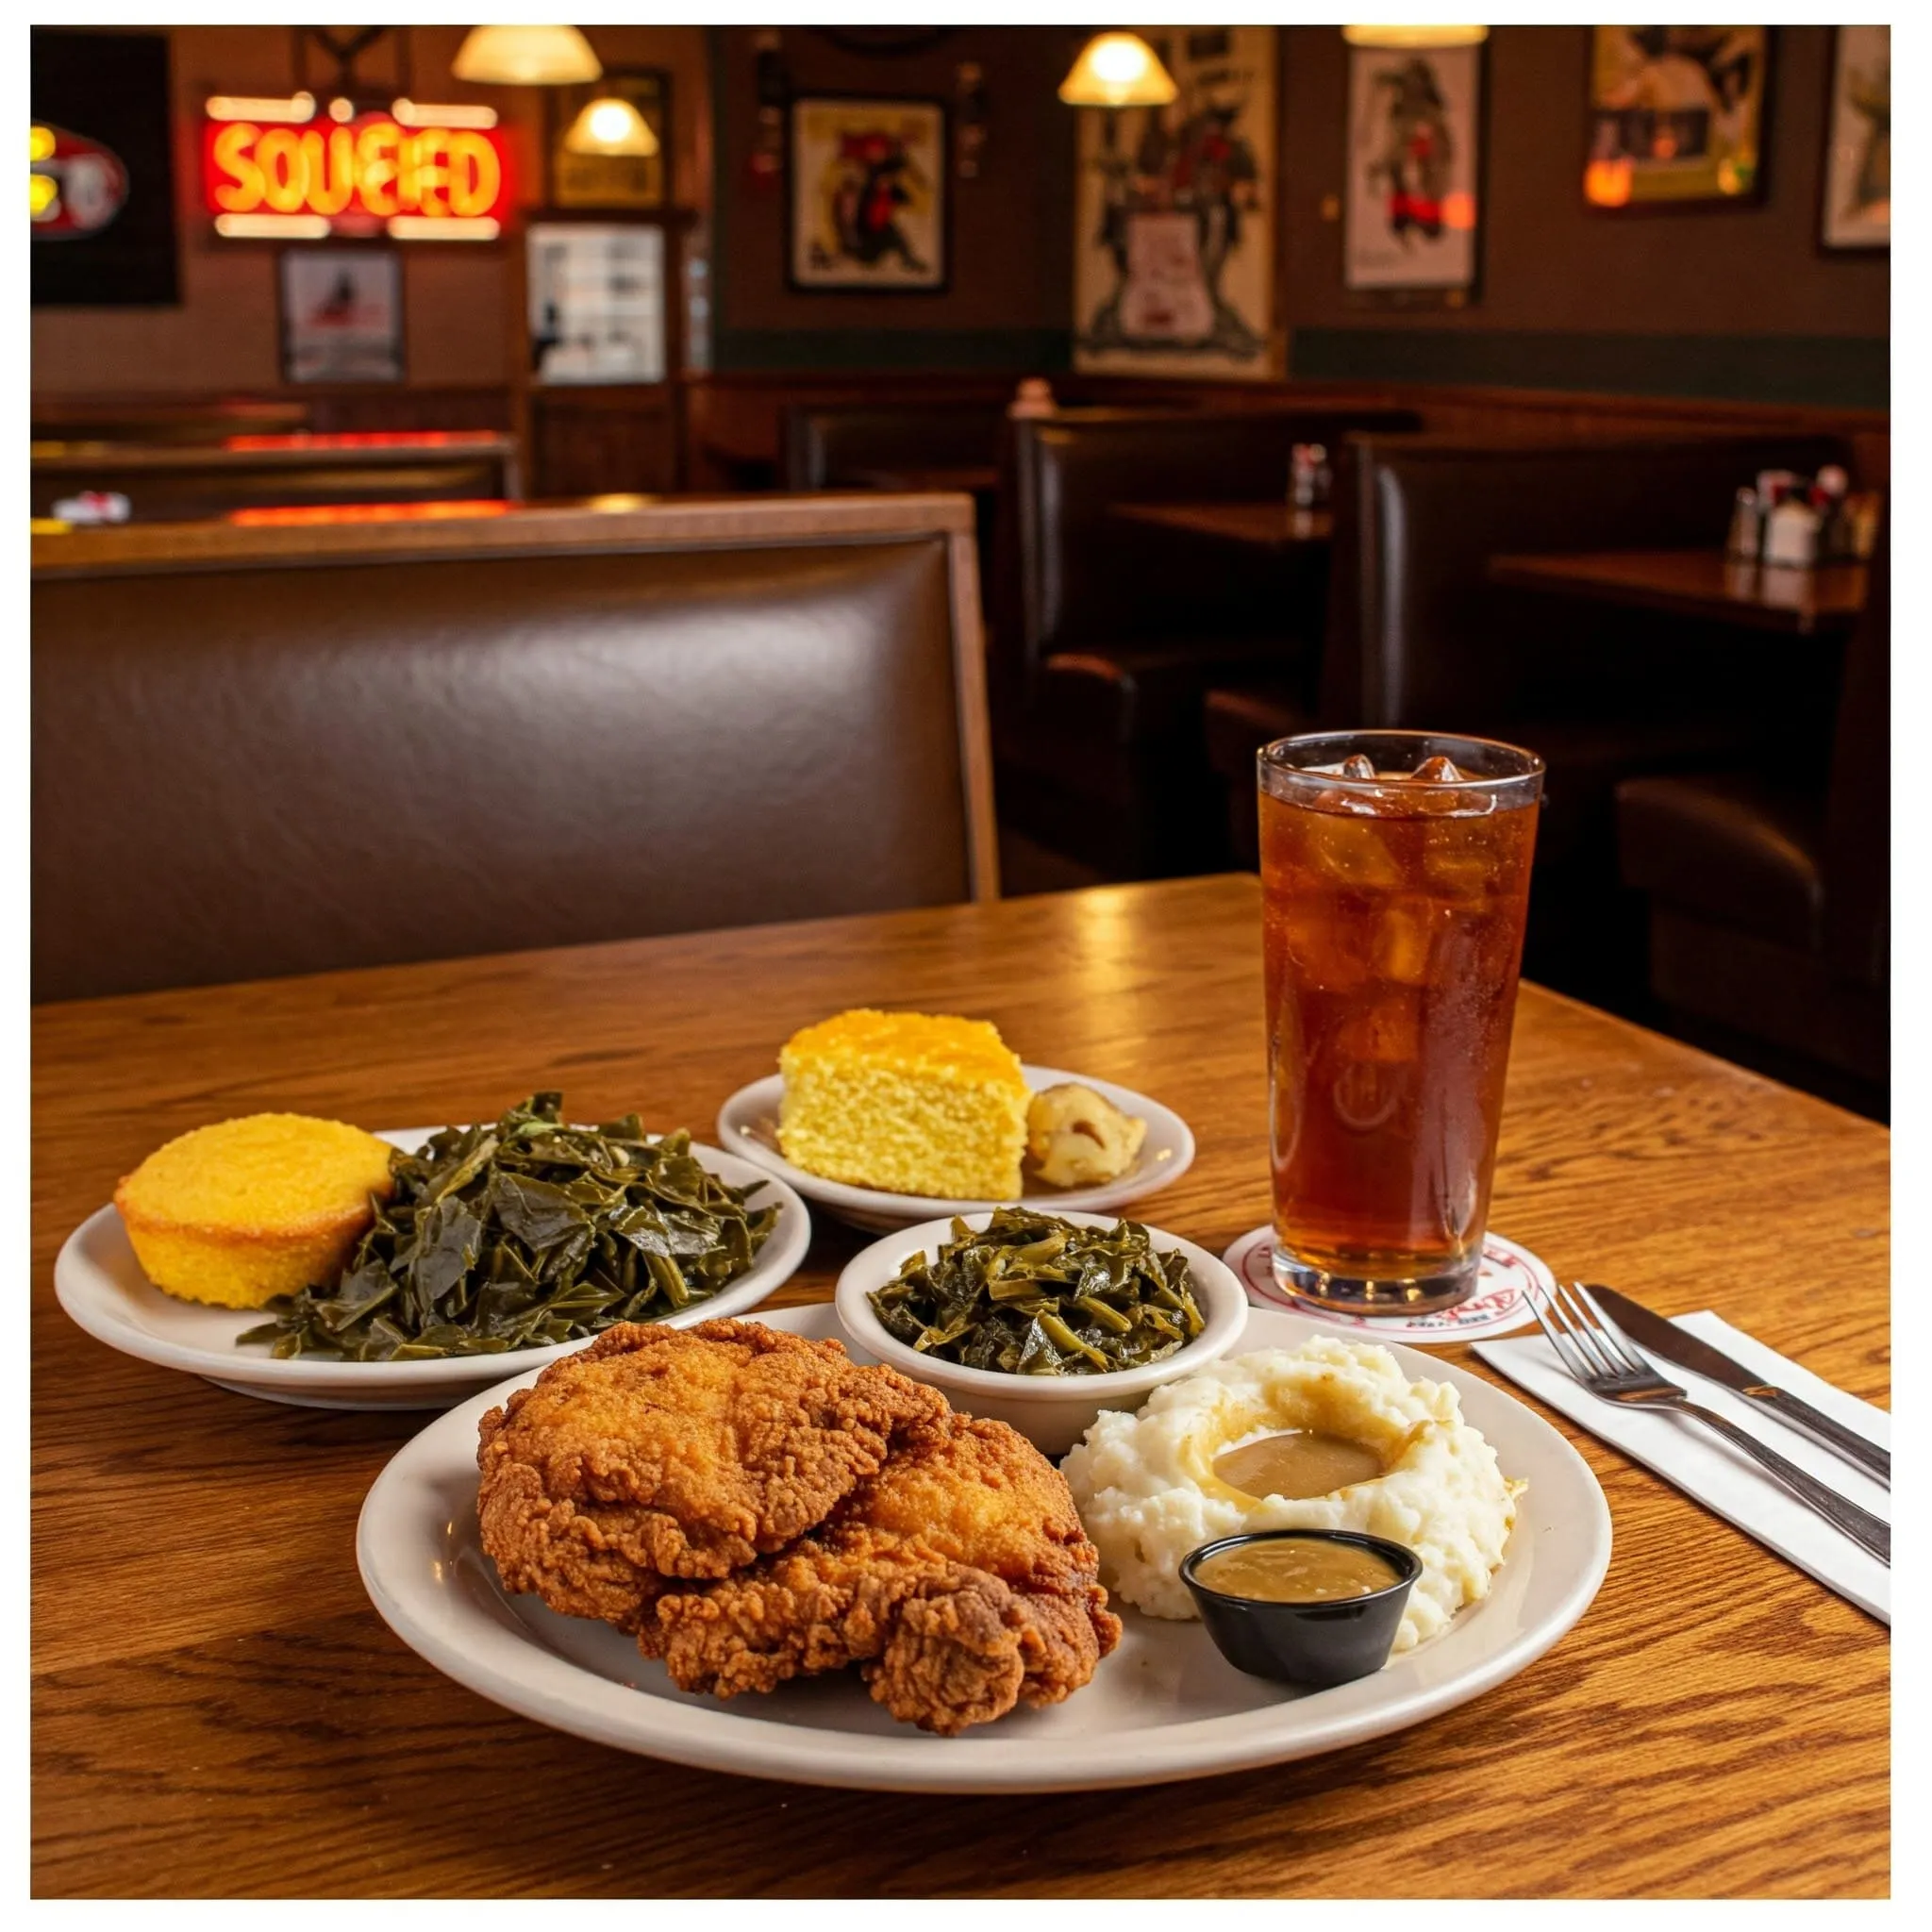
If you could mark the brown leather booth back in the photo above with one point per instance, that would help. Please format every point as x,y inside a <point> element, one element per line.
<point>245,771</point>
<point>827,449</point>
<point>1065,569</point>
<point>1858,817</point>
<point>1435,642</point>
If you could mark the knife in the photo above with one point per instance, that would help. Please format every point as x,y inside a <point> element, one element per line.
<point>1678,1346</point>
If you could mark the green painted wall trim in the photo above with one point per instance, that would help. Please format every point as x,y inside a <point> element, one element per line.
<point>1021,351</point>
<point>1841,372</point>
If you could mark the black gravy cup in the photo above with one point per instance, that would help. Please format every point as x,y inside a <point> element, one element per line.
<point>1313,1643</point>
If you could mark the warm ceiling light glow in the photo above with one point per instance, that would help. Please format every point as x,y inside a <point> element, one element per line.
<point>444,228</point>
<point>1414,36</point>
<point>271,227</point>
<point>297,109</point>
<point>525,56</point>
<point>447,115</point>
<point>1118,71</point>
<point>611,127</point>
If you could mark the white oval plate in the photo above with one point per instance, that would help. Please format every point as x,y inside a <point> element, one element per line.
<point>748,1125</point>
<point>101,1286</point>
<point>1165,1704</point>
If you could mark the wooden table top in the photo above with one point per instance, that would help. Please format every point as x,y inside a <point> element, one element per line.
<point>1699,583</point>
<point>218,1709</point>
<point>972,479</point>
<point>1257,525</point>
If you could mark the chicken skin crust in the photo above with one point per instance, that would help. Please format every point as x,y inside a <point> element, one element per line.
<point>959,1578</point>
<point>659,1453</point>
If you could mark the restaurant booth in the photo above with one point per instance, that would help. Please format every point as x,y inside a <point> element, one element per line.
<point>1121,798</point>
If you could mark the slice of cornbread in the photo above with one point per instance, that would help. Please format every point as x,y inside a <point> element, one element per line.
<point>249,1209</point>
<point>908,1103</point>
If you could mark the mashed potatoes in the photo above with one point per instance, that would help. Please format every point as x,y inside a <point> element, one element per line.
<point>1147,1491</point>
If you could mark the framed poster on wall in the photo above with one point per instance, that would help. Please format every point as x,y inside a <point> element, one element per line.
<point>867,195</point>
<point>341,315</point>
<point>1676,115</point>
<point>1412,210</point>
<point>611,180</point>
<point>1856,212</point>
<point>596,301</point>
<point>1174,213</point>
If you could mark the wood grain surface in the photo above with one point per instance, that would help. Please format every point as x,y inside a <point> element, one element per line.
<point>1269,526</point>
<point>1702,584</point>
<point>218,1709</point>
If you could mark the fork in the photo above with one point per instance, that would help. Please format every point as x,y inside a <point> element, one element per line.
<point>1599,1358</point>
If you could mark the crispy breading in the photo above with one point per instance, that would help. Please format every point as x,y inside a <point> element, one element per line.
<point>959,1578</point>
<point>659,1453</point>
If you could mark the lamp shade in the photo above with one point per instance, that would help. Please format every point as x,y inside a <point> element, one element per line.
<point>611,127</point>
<point>1431,36</point>
<point>525,56</point>
<point>1118,71</point>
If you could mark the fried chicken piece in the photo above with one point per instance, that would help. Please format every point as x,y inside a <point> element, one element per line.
<point>659,1453</point>
<point>959,1578</point>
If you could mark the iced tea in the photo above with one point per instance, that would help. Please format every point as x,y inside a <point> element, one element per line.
<point>1395,876</point>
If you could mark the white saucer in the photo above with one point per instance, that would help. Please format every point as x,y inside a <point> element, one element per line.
<point>1165,1704</point>
<point>748,1125</point>
<point>101,1286</point>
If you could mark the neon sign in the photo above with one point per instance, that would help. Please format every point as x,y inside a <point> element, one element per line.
<point>288,173</point>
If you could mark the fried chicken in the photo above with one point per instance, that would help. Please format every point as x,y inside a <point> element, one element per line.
<point>659,1453</point>
<point>959,1578</point>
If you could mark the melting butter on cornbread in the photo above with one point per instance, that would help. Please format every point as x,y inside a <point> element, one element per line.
<point>247,1209</point>
<point>907,1102</point>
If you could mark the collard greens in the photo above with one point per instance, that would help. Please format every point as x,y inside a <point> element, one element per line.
<point>527,1232</point>
<point>1035,1295</point>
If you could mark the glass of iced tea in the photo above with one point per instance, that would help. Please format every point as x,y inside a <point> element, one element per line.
<point>1394,880</point>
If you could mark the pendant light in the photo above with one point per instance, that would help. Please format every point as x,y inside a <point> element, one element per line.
<point>1414,36</point>
<point>611,127</point>
<point>525,56</point>
<point>1118,71</point>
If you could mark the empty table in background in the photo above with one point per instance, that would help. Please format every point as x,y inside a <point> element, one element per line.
<point>971,480</point>
<point>1699,583</point>
<point>1271,526</point>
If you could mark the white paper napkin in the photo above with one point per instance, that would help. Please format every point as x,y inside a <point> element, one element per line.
<point>1702,1464</point>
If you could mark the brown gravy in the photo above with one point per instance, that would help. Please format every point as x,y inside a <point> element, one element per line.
<point>1297,1463</point>
<point>1296,1570</point>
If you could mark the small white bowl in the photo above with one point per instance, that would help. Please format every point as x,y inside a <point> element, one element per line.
<point>1053,1412</point>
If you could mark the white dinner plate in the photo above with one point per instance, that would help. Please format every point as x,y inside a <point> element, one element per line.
<point>748,1125</point>
<point>1164,1705</point>
<point>101,1285</point>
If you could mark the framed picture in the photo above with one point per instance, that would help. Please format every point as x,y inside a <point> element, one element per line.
<point>612,181</point>
<point>1413,206</point>
<point>1176,214</point>
<point>341,315</point>
<point>103,170</point>
<point>1857,211</point>
<point>1676,115</point>
<point>867,195</point>
<point>596,294</point>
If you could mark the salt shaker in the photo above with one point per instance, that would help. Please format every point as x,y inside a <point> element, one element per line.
<point>1747,527</point>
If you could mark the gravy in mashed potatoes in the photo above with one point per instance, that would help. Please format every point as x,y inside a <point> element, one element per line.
<point>1154,1484</point>
<point>1297,1462</point>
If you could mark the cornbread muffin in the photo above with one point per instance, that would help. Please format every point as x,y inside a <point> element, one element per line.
<point>909,1103</point>
<point>243,1211</point>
